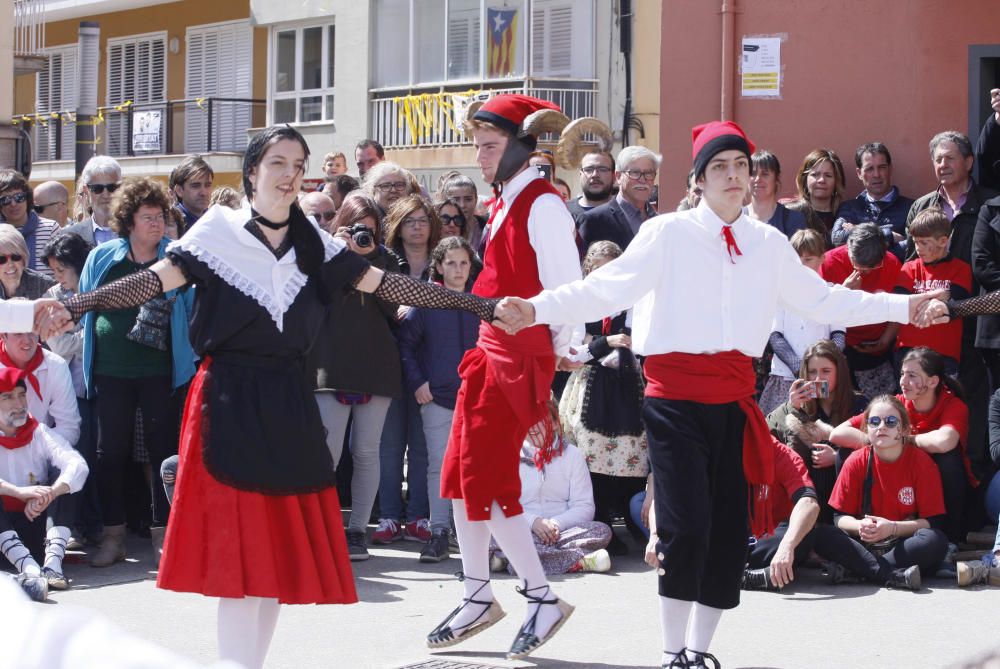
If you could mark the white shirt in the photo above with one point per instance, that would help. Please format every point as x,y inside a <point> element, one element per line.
<point>57,407</point>
<point>800,333</point>
<point>551,232</point>
<point>29,465</point>
<point>690,297</point>
<point>16,316</point>
<point>562,491</point>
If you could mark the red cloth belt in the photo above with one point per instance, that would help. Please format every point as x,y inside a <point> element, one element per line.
<point>523,366</point>
<point>720,378</point>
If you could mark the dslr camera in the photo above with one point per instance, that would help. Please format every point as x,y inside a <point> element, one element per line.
<point>362,235</point>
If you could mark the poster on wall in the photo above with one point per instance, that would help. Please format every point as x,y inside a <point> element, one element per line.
<point>761,67</point>
<point>146,131</point>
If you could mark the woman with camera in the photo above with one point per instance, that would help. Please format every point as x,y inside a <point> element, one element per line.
<point>134,358</point>
<point>356,367</point>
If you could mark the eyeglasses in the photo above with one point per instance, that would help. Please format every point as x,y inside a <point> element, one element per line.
<point>39,208</point>
<point>457,221</point>
<point>97,189</point>
<point>598,169</point>
<point>326,215</point>
<point>890,421</point>
<point>647,175</point>
<point>17,198</point>
<point>416,222</point>
<point>14,257</point>
<point>395,185</point>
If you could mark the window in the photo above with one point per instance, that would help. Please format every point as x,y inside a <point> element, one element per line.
<point>219,61</point>
<point>56,91</point>
<point>137,73</point>
<point>561,40</point>
<point>302,74</point>
<point>464,38</point>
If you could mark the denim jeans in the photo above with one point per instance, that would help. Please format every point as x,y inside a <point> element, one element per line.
<point>437,426</point>
<point>993,501</point>
<point>403,437</point>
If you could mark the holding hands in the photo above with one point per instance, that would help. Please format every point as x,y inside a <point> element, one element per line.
<point>514,314</point>
<point>51,318</point>
<point>928,309</point>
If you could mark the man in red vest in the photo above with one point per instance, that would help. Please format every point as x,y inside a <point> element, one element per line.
<point>706,284</point>
<point>529,245</point>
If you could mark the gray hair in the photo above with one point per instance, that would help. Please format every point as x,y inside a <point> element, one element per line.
<point>630,154</point>
<point>11,241</point>
<point>105,165</point>
<point>866,245</point>
<point>379,172</point>
<point>961,140</point>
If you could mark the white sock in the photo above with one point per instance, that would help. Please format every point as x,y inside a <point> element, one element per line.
<point>245,629</point>
<point>55,547</point>
<point>19,556</point>
<point>513,535</point>
<point>674,615</point>
<point>701,628</point>
<point>474,544</point>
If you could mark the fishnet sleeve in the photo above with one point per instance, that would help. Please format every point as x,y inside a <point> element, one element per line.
<point>402,289</point>
<point>129,291</point>
<point>975,306</point>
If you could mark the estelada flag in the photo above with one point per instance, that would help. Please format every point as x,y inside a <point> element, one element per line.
<point>501,46</point>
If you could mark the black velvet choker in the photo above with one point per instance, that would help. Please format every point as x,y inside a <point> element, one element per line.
<point>257,218</point>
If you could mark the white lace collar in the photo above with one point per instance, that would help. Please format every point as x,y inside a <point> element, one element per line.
<point>220,240</point>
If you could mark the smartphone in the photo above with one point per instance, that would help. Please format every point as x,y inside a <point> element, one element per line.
<point>819,389</point>
<point>545,171</point>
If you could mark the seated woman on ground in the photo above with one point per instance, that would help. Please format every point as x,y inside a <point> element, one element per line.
<point>821,398</point>
<point>889,502</point>
<point>558,503</point>
<point>935,407</point>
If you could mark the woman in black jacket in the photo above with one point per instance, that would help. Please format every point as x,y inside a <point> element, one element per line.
<point>357,368</point>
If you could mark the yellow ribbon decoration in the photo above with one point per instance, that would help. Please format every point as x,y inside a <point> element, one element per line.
<point>420,112</point>
<point>123,106</point>
<point>200,103</point>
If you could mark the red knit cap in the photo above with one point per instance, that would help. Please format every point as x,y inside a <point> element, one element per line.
<point>711,138</point>
<point>10,378</point>
<point>507,112</point>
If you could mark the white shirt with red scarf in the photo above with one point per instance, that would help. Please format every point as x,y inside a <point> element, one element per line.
<point>56,406</point>
<point>29,464</point>
<point>690,296</point>
<point>551,232</point>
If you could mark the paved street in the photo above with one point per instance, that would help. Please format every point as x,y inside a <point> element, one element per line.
<point>615,624</point>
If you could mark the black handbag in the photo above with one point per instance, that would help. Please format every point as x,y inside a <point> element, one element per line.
<point>152,325</point>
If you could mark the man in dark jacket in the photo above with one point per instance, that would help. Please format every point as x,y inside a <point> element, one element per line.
<point>988,146</point>
<point>961,198</point>
<point>619,220</point>
<point>986,270</point>
<point>596,183</point>
<point>880,201</point>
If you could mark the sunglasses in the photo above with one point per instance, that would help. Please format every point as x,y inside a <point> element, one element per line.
<point>326,215</point>
<point>457,221</point>
<point>97,189</point>
<point>40,208</point>
<point>15,257</point>
<point>17,198</point>
<point>890,421</point>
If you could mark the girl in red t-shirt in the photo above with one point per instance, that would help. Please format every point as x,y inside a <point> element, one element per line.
<point>889,502</point>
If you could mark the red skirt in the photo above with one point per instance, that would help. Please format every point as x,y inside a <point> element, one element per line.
<point>226,542</point>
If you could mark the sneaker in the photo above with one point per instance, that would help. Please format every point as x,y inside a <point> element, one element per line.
<point>418,530</point>
<point>356,548</point>
<point>839,575</point>
<point>436,548</point>
<point>905,579</point>
<point>36,587</point>
<point>387,531</point>
<point>498,563</point>
<point>757,579</point>
<point>974,573</point>
<point>598,561</point>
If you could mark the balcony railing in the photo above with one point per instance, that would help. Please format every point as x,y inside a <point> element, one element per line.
<point>202,125</point>
<point>29,28</point>
<point>414,118</point>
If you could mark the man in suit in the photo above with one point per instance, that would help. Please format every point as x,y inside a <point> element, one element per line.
<point>619,219</point>
<point>102,176</point>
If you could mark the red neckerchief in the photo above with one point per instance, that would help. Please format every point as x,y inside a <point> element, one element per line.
<point>29,369</point>
<point>22,437</point>
<point>727,234</point>
<point>606,326</point>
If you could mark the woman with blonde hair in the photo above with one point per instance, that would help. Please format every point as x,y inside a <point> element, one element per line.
<point>386,183</point>
<point>16,278</point>
<point>820,184</point>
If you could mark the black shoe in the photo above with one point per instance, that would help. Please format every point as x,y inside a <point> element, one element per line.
<point>616,546</point>
<point>436,548</point>
<point>839,575</point>
<point>443,635</point>
<point>905,579</point>
<point>357,549</point>
<point>757,579</point>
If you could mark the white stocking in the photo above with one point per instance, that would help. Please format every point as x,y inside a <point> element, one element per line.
<point>701,628</point>
<point>513,535</point>
<point>19,556</point>
<point>245,629</point>
<point>474,543</point>
<point>55,547</point>
<point>674,615</point>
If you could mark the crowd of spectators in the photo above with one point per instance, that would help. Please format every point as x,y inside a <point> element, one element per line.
<point>889,436</point>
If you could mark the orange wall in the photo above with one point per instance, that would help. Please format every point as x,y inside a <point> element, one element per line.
<point>853,71</point>
<point>174,17</point>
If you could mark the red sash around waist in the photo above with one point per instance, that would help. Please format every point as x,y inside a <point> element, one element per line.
<point>720,378</point>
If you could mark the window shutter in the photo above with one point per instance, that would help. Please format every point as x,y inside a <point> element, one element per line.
<point>219,64</point>
<point>552,38</point>
<point>463,45</point>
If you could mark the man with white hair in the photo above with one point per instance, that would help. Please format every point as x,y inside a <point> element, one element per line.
<point>52,202</point>
<point>320,206</point>
<point>619,219</point>
<point>102,176</point>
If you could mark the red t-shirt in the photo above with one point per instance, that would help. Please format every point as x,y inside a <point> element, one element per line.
<point>906,489</point>
<point>837,266</point>
<point>916,277</point>
<point>790,476</point>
